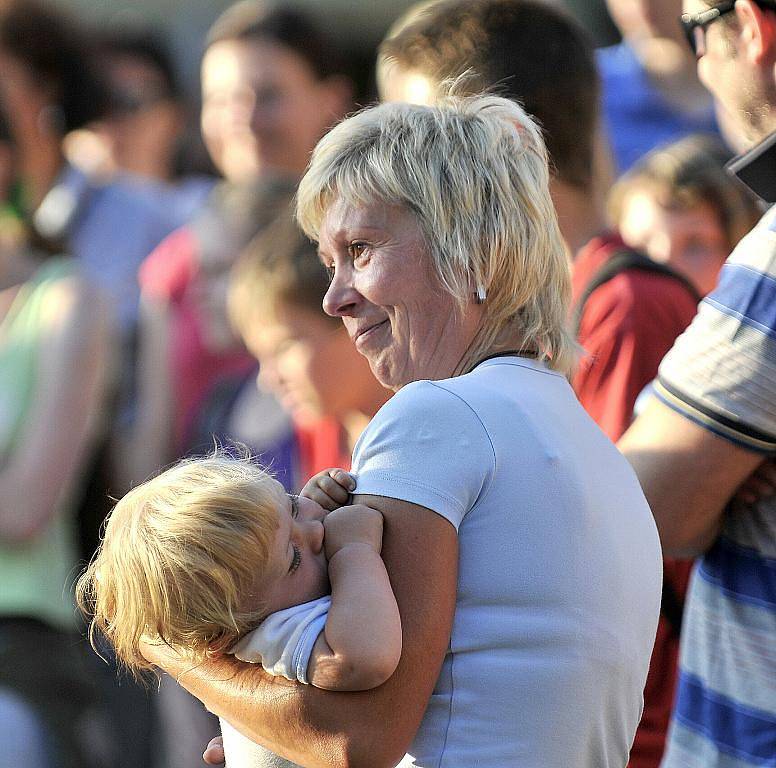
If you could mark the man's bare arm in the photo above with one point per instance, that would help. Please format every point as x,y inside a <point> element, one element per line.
<point>325,728</point>
<point>688,475</point>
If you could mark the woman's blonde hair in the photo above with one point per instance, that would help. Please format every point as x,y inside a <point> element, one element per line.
<point>179,556</point>
<point>474,172</point>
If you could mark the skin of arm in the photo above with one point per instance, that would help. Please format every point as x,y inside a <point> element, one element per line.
<point>688,475</point>
<point>325,728</point>
<point>360,646</point>
<point>71,384</point>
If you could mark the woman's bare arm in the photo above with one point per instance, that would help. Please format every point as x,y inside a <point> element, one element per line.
<point>323,728</point>
<point>68,402</point>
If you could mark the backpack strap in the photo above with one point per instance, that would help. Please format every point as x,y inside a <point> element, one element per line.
<point>672,608</point>
<point>671,605</point>
<point>623,261</point>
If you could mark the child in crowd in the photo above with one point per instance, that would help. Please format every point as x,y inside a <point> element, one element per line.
<point>680,206</point>
<point>212,556</point>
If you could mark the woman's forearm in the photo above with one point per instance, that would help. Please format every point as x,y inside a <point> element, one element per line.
<point>304,724</point>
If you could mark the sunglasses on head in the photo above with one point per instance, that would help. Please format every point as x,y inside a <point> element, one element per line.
<point>695,24</point>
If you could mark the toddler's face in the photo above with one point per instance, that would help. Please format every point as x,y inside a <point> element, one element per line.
<point>297,571</point>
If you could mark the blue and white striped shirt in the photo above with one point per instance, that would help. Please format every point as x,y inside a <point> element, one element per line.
<point>721,374</point>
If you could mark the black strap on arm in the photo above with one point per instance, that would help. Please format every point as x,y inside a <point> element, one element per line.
<point>672,608</point>
<point>620,262</point>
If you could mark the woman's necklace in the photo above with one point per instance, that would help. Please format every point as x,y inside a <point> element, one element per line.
<point>507,353</point>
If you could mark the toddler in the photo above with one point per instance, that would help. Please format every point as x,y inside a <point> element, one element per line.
<point>212,556</point>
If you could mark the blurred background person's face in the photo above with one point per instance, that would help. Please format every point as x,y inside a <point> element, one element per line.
<point>144,122</point>
<point>263,108</point>
<point>308,362</point>
<point>643,19</point>
<point>690,240</point>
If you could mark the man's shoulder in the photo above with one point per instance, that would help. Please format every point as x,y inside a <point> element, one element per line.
<point>746,290</point>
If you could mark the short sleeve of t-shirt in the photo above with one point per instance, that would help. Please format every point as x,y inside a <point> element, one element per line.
<point>283,642</point>
<point>426,446</point>
<point>721,373</point>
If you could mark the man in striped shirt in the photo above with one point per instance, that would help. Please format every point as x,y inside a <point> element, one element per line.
<point>713,422</point>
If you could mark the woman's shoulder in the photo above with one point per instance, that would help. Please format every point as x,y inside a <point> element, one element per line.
<point>423,397</point>
<point>425,411</point>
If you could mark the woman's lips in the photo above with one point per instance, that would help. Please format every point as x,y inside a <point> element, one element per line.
<point>364,336</point>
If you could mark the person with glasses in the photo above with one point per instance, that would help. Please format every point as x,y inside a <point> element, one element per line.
<point>712,423</point>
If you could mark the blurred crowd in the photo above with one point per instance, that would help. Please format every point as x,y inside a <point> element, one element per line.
<point>157,299</point>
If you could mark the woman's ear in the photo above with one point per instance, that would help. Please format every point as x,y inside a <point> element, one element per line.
<point>757,32</point>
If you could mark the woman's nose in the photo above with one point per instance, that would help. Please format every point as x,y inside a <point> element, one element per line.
<point>341,297</point>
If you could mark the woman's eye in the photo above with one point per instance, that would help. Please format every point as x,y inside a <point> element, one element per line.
<point>294,505</point>
<point>329,271</point>
<point>356,249</point>
<point>296,560</point>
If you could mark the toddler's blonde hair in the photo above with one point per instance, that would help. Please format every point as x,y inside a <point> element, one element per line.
<point>180,555</point>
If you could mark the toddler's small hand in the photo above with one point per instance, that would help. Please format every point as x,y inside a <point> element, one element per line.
<point>330,488</point>
<point>354,524</point>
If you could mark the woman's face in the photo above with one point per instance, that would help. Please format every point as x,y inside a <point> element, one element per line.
<point>262,108</point>
<point>691,241</point>
<point>309,363</point>
<point>386,291</point>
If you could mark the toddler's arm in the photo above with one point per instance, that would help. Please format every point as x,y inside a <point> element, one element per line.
<point>361,642</point>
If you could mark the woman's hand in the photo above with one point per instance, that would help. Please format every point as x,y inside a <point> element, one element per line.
<point>354,524</point>
<point>214,751</point>
<point>330,488</point>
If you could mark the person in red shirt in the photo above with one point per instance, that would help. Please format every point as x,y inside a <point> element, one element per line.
<point>271,85</point>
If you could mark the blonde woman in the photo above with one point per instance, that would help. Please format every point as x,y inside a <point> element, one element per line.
<point>521,551</point>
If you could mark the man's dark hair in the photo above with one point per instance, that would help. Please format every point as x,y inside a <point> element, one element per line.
<point>522,49</point>
<point>260,20</point>
<point>46,41</point>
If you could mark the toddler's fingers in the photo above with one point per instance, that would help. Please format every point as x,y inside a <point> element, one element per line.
<point>345,479</point>
<point>333,490</point>
<point>321,498</point>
